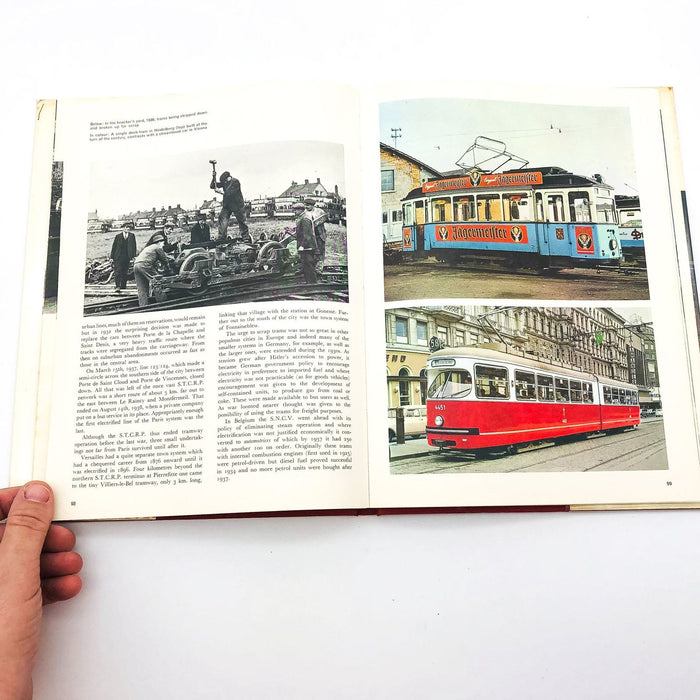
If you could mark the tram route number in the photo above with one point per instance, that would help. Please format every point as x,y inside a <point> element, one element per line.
<point>669,483</point>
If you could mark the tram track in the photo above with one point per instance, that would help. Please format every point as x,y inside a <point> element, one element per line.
<point>243,291</point>
<point>574,274</point>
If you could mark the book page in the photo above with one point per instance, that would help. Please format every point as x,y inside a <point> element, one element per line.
<point>538,332</point>
<point>207,333</point>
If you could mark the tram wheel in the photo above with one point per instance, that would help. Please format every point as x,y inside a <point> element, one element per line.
<point>512,450</point>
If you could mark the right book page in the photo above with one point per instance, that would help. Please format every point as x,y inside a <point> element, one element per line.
<point>538,341</point>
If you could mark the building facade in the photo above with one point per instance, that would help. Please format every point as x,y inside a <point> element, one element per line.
<point>595,340</point>
<point>400,174</point>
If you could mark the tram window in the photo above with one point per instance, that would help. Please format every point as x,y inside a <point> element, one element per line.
<point>489,207</point>
<point>576,394</point>
<point>539,206</point>
<point>555,207</point>
<point>545,388</point>
<point>587,392</point>
<point>441,209</point>
<point>604,211</point>
<point>579,206</point>
<point>420,213</point>
<point>516,207</point>
<point>607,394</point>
<point>451,384</point>
<point>464,209</point>
<point>562,386</point>
<point>635,398</point>
<point>525,386</point>
<point>491,382</point>
<point>408,214</point>
<point>615,396</point>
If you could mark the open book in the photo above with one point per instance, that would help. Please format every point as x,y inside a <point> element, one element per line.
<point>283,298</point>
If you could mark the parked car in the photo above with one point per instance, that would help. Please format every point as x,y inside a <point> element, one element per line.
<point>414,420</point>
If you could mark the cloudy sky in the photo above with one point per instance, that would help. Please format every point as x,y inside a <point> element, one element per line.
<point>584,140</point>
<point>265,170</point>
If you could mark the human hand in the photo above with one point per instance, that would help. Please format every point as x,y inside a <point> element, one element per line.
<point>37,567</point>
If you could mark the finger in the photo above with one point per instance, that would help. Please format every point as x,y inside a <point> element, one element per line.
<point>6,498</point>
<point>27,524</point>
<point>60,564</point>
<point>61,588</point>
<point>58,538</point>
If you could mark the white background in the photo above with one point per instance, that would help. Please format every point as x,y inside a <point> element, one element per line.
<point>585,605</point>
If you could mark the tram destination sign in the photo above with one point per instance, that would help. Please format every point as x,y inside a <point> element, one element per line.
<point>478,179</point>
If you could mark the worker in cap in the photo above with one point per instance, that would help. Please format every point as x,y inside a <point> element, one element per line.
<point>145,266</point>
<point>233,203</point>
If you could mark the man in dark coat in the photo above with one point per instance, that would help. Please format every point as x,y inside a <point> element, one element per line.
<point>200,232</point>
<point>123,252</point>
<point>306,245</point>
<point>233,203</point>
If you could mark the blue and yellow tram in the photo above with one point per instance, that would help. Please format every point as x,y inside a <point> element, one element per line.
<point>529,217</point>
<point>631,229</point>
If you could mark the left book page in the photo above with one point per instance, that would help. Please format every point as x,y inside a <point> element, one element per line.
<point>184,348</point>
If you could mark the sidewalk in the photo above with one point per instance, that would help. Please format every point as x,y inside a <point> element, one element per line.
<point>413,447</point>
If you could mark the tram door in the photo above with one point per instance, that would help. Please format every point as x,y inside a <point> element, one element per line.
<point>553,235</point>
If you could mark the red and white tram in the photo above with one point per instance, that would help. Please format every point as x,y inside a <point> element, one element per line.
<point>481,399</point>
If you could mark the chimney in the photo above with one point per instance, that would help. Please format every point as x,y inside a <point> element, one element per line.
<point>306,182</point>
<point>318,180</point>
<point>336,190</point>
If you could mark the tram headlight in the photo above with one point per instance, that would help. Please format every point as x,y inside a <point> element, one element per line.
<point>439,420</point>
<point>613,244</point>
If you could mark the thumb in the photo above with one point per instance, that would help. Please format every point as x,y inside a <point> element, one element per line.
<point>27,523</point>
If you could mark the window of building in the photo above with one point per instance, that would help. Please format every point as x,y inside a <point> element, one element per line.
<point>459,337</point>
<point>396,216</point>
<point>442,333</point>
<point>401,330</point>
<point>385,217</point>
<point>404,387</point>
<point>491,382</point>
<point>421,333</point>
<point>387,180</point>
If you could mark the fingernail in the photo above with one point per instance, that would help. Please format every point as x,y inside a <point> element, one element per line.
<point>37,492</point>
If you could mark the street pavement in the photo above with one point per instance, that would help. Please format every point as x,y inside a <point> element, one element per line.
<point>419,447</point>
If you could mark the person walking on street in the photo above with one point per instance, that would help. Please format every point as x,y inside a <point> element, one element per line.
<point>145,266</point>
<point>123,252</point>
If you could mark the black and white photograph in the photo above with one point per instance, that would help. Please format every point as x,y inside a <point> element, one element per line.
<point>259,222</point>
<point>498,200</point>
<point>503,389</point>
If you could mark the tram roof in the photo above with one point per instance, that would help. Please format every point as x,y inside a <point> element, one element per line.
<point>512,358</point>
<point>552,176</point>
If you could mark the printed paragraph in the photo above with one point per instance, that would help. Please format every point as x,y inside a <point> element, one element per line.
<point>148,127</point>
<point>138,458</point>
<point>284,393</point>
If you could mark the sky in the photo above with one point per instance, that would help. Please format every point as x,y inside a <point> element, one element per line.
<point>264,170</point>
<point>581,139</point>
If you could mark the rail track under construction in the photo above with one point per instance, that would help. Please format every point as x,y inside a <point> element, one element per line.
<point>332,287</point>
